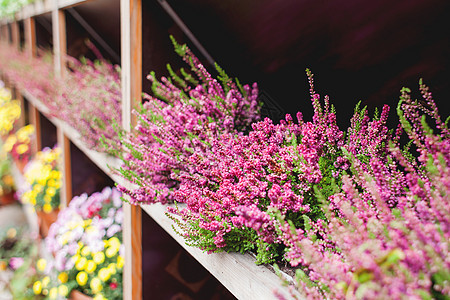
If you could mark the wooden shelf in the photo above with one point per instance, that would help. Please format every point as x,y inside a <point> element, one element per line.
<point>103,161</point>
<point>41,7</point>
<point>237,272</point>
<point>37,8</point>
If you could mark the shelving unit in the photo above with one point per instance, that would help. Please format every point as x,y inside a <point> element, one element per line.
<point>237,273</point>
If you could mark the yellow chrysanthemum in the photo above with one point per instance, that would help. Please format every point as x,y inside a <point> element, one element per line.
<point>41,264</point>
<point>55,174</point>
<point>120,261</point>
<point>63,277</point>
<point>22,148</point>
<point>51,191</point>
<point>96,285</point>
<point>99,257</point>
<point>91,266</point>
<point>104,274</point>
<point>47,208</point>
<point>75,258</point>
<point>82,278</point>
<point>112,268</point>
<point>37,188</point>
<point>47,198</point>
<point>85,251</point>
<point>37,287</point>
<point>63,290</point>
<point>114,242</point>
<point>53,293</point>
<point>45,281</point>
<point>80,246</point>
<point>99,297</point>
<point>111,251</point>
<point>81,263</point>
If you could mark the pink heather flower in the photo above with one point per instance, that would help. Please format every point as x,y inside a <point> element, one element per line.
<point>16,262</point>
<point>88,97</point>
<point>179,123</point>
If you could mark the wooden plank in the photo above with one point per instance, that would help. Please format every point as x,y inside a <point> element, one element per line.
<point>59,60</point>
<point>59,41</point>
<point>15,34</point>
<point>103,161</point>
<point>237,272</point>
<point>70,3</point>
<point>21,120</point>
<point>65,167</point>
<point>4,33</point>
<point>131,50</point>
<point>36,121</point>
<point>30,36</point>
<point>36,8</point>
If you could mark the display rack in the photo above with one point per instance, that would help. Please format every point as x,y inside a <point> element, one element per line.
<point>238,273</point>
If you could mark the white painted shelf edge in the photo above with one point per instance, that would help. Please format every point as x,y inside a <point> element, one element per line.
<point>41,7</point>
<point>102,160</point>
<point>237,272</point>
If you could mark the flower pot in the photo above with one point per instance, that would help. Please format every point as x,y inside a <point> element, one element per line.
<point>8,198</point>
<point>77,295</point>
<point>46,220</point>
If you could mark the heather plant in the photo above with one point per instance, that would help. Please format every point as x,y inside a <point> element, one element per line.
<point>185,115</point>
<point>90,88</point>
<point>93,89</point>
<point>387,228</point>
<point>34,74</point>
<point>243,179</point>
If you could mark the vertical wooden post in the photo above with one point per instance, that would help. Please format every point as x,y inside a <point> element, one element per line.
<point>36,121</point>
<point>15,34</point>
<point>17,95</point>
<point>4,33</point>
<point>30,36</point>
<point>59,52</point>
<point>131,49</point>
<point>59,40</point>
<point>30,47</point>
<point>65,167</point>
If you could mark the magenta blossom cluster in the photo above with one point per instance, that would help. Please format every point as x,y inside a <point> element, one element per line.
<point>240,183</point>
<point>388,228</point>
<point>182,119</point>
<point>32,74</point>
<point>91,89</point>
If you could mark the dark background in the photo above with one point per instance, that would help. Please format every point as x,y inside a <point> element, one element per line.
<point>358,50</point>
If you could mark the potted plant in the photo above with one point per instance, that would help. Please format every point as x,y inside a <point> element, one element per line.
<point>18,145</point>
<point>44,179</point>
<point>86,242</point>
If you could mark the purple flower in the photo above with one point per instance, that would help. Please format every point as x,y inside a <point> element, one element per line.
<point>15,262</point>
